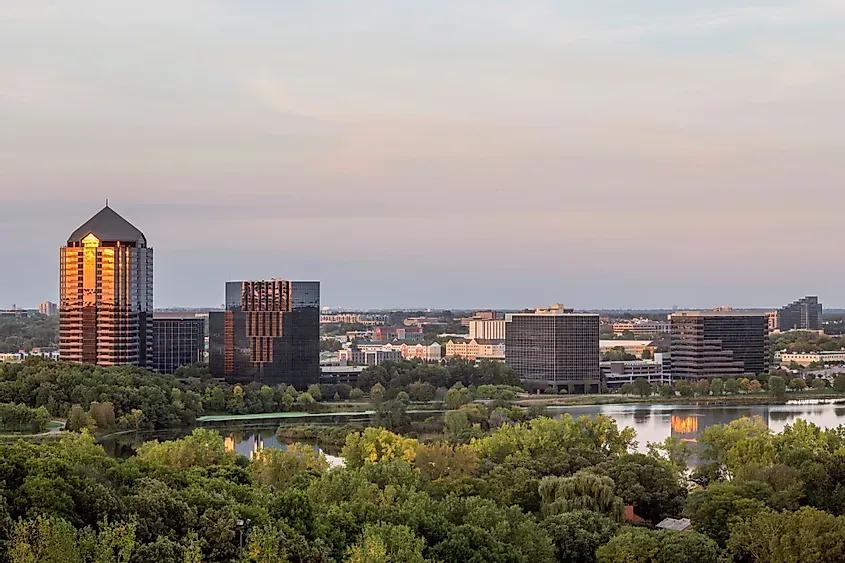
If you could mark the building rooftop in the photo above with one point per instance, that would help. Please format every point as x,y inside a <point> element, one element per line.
<point>675,524</point>
<point>718,313</point>
<point>108,226</point>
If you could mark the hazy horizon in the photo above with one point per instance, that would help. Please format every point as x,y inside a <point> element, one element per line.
<point>605,155</point>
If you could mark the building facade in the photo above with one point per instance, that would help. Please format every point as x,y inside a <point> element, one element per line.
<point>634,347</point>
<point>475,349</point>
<point>640,327</point>
<point>617,374</point>
<point>719,344</point>
<point>804,314</point>
<point>106,293</point>
<point>48,308</point>
<point>177,342</point>
<point>486,329</point>
<point>808,358</point>
<point>400,333</point>
<point>555,347</point>
<point>269,332</point>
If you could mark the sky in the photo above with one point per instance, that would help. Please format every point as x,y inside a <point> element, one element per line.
<point>478,153</point>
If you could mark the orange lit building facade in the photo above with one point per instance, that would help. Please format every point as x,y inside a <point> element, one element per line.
<point>106,294</point>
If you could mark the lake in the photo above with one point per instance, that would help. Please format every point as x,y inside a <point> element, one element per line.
<point>655,422</point>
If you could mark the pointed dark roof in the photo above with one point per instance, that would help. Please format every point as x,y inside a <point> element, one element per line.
<point>108,226</point>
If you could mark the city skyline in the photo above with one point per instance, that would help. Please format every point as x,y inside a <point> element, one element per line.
<point>650,155</point>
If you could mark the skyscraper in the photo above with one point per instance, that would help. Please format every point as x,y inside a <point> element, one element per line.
<point>718,344</point>
<point>269,332</point>
<point>106,293</point>
<point>803,314</point>
<point>555,346</point>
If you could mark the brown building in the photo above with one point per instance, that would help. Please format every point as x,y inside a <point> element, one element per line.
<point>721,343</point>
<point>106,293</point>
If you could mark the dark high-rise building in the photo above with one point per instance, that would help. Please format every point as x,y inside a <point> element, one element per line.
<point>718,344</point>
<point>106,293</point>
<point>804,314</point>
<point>177,342</point>
<point>556,347</point>
<point>269,332</point>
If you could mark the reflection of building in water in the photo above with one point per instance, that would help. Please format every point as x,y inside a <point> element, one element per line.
<point>683,425</point>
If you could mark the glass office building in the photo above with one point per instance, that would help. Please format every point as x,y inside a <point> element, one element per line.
<point>177,343</point>
<point>106,293</point>
<point>726,344</point>
<point>804,314</point>
<point>269,332</point>
<point>555,347</point>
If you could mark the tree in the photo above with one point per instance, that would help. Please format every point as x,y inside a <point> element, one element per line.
<point>796,384</point>
<point>712,510</point>
<point>808,535</point>
<point>315,392</point>
<point>45,539</point>
<point>278,468</point>
<point>78,420</point>
<point>583,491</point>
<point>356,394</point>
<point>839,383</point>
<point>456,421</point>
<point>731,386</point>
<point>103,414</point>
<point>202,448</point>
<point>387,543</point>
<point>819,383</point>
<point>777,386</point>
<point>659,546</point>
<point>754,386</point>
<point>377,393</point>
<point>642,387</point>
<point>651,485</point>
<point>305,400</point>
<point>717,386</point>
<point>577,535</point>
<point>375,445</point>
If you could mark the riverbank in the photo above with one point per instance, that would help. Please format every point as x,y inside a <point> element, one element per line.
<point>528,401</point>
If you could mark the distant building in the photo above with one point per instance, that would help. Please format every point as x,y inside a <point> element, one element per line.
<point>48,308</point>
<point>353,318</point>
<point>807,358</point>
<point>633,347</point>
<point>804,314</point>
<point>772,318</point>
<point>269,332</point>
<point>341,374</point>
<point>640,327</point>
<point>616,374</point>
<point>475,349</point>
<point>431,353</point>
<point>106,293</point>
<point>719,344</point>
<point>486,329</point>
<point>555,346</point>
<point>401,333</point>
<point>369,355</point>
<point>177,343</point>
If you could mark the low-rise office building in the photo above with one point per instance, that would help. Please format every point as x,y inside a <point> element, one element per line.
<point>633,347</point>
<point>640,327</point>
<point>616,374</point>
<point>808,358</point>
<point>486,329</point>
<point>475,349</point>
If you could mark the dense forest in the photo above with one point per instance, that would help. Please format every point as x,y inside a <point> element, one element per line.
<point>26,333</point>
<point>132,398</point>
<point>538,491</point>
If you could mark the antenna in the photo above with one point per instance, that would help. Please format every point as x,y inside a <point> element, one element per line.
<point>107,202</point>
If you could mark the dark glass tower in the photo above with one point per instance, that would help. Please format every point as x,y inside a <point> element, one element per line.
<point>269,332</point>
<point>718,344</point>
<point>177,343</point>
<point>106,293</point>
<point>804,314</point>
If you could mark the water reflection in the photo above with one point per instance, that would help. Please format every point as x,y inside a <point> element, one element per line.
<point>656,422</point>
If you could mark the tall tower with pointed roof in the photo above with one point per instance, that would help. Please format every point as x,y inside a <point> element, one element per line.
<point>106,293</point>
